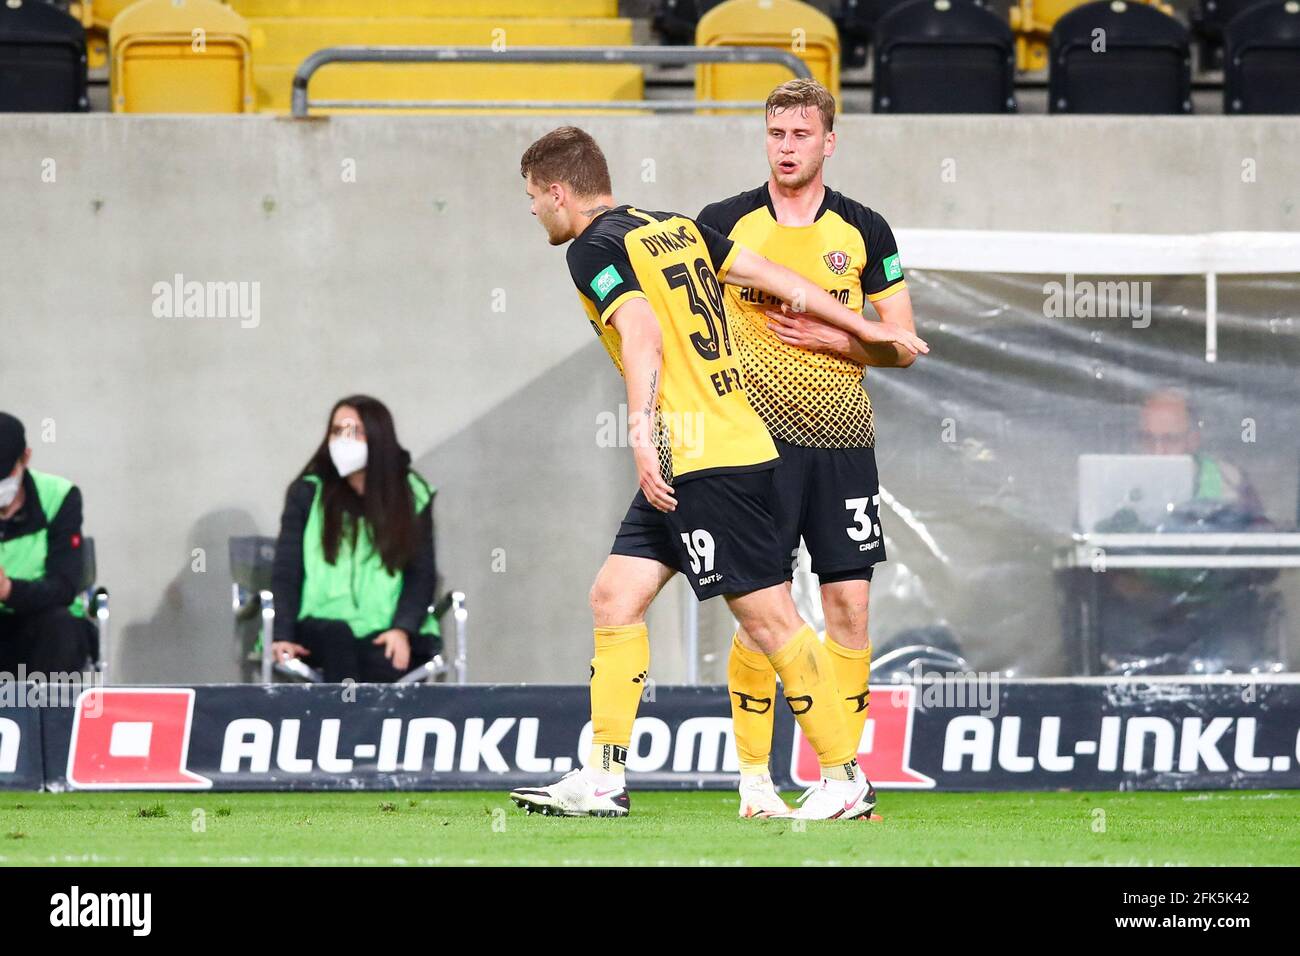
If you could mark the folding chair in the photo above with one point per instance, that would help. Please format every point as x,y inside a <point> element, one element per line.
<point>94,599</point>
<point>251,562</point>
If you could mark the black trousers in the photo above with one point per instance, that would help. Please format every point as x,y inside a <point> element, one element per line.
<point>340,656</point>
<point>48,641</point>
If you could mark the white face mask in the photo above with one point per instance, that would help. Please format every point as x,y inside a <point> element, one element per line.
<point>348,455</point>
<point>9,490</point>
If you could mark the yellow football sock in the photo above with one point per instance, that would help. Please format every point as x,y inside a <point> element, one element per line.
<point>809,683</point>
<point>751,682</point>
<point>852,676</point>
<point>618,676</point>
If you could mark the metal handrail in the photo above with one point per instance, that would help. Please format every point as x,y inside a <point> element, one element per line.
<point>637,55</point>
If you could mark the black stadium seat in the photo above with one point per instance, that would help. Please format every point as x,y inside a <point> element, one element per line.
<point>676,20</point>
<point>42,59</point>
<point>1209,23</point>
<point>943,56</point>
<point>1144,68</point>
<point>1261,66</point>
<point>856,21</point>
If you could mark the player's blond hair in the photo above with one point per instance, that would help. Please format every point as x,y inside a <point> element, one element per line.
<point>567,155</point>
<point>803,94</point>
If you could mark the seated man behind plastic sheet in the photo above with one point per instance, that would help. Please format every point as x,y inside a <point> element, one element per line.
<point>1190,620</point>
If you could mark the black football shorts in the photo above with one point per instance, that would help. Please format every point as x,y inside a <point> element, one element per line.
<point>723,535</point>
<point>831,498</point>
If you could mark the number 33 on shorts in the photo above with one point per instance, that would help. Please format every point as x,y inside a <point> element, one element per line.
<point>866,529</point>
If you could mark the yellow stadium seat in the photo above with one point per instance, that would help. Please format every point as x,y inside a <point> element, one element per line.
<point>180,56</point>
<point>287,41</point>
<point>97,16</point>
<point>99,13</point>
<point>787,24</point>
<point>1032,22</point>
<point>280,44</point>
<point>426,8</point>
<point>454,81</point>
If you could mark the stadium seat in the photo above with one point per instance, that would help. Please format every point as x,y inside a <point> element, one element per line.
<point>1209,21</point>
<point>281,43</point>
<point>97,17</point>
<point>424,8</point>
<point>252,558</point>
<point>856,20</point>
<point>1262,60</point>
<point>785,24</point>
<point>180,56</point>
<point>42,60</point>
<point>675,20</point>
<point>94,598</point>
<point>1032,22</point>
<point>1144,68</point>
<point>943,56</point>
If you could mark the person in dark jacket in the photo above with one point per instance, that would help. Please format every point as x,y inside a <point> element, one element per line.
<point>42,619</point>
<point>354,570</point>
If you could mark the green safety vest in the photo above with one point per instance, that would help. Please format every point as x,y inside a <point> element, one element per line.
<point>1209,478</point>
<point>356,588</point>
<point>24,558</point>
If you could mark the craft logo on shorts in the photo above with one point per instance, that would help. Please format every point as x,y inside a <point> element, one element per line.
<point>605,280</point>
<point>837,262</point>
<point>127,738</point>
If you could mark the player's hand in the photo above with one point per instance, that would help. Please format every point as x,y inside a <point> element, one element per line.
<point>888,333</point>
<point>397,647</point>
<point>6,585</point>
<point>802,327</point>
<point>287,650</point>
<point>657,491</point>
<point>802,330</point>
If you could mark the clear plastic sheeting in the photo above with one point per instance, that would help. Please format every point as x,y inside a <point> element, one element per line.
<point>1188,562</point>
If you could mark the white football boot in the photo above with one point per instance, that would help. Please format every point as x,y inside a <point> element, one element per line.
<point>573,795</point>
<point>837,800</point>
<point>759,798</point>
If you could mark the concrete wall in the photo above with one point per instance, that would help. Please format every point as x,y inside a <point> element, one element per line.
<point>425,282</point>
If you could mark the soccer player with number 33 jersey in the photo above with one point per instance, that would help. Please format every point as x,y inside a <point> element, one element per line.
<point>804,377</point>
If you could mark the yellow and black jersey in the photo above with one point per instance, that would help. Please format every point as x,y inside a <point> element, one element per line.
<point>704,424</point>
<point>808,398</point>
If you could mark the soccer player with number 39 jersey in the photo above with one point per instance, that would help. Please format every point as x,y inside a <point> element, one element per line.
<point>804,378</point>
<point>651,286</point>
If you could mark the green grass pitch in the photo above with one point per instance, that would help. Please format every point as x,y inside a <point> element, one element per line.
<point>690,828</point>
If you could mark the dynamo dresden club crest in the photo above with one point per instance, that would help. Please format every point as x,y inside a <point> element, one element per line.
<point>838,262</point>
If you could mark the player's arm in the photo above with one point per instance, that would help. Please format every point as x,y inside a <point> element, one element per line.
<point>815,335</point>
<point>642,355</point>
<point>604,276</point>
<point>896,309</point>
<point>748,268</point>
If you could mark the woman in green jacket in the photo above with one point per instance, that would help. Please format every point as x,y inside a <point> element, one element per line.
<point>354,567</point>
